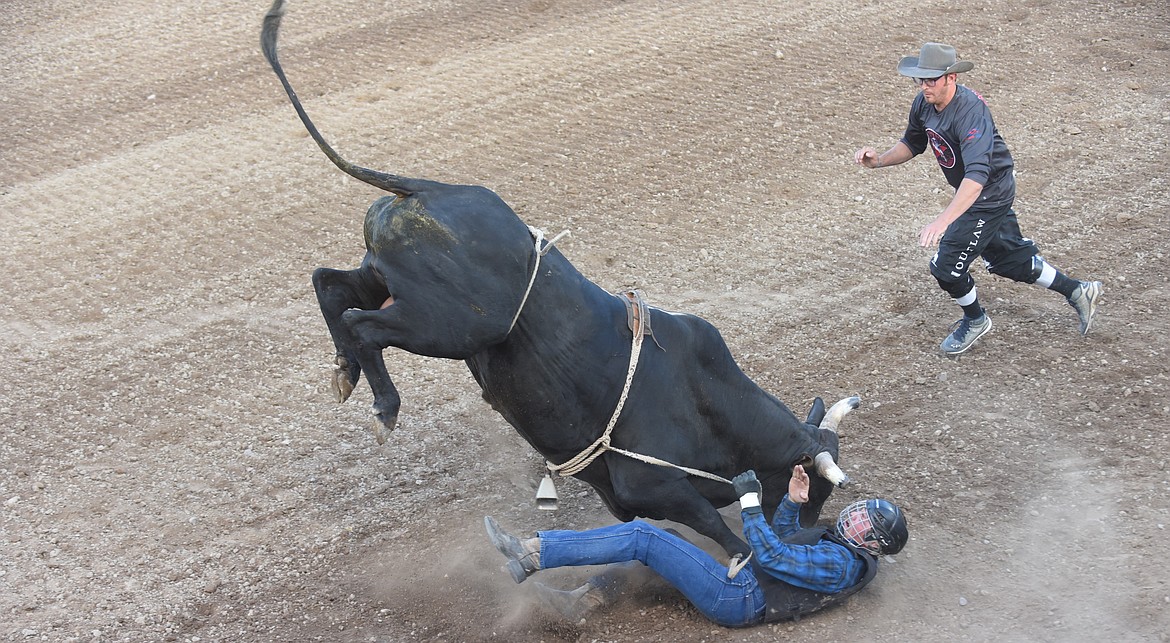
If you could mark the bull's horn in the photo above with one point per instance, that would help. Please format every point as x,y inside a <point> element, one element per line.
<point>829,470</point>
<point>838,411</point>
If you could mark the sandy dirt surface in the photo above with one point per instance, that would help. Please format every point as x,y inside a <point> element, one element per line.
<point>173,466</point>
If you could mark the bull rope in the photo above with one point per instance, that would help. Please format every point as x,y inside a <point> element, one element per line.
<point>602,444</point>
<point>538,236</point>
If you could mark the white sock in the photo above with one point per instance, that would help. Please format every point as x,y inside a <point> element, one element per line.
<point>1047,276</point>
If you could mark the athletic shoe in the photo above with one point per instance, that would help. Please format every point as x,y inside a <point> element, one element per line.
<point>964,333</point>
<point>1084,300</point>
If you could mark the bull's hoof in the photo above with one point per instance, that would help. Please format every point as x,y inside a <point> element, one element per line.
<point>342,380</point>
<point>341,386</point>
<point>383,425</point>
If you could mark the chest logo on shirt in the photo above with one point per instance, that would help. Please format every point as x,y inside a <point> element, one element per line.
<point>944,152</point>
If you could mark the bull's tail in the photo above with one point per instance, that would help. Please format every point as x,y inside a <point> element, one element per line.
<point>399,185</point>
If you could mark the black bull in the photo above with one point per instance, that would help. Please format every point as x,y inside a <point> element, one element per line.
<point>446,271</point>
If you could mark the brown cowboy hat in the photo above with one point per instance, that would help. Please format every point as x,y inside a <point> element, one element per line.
<point>934,60</point>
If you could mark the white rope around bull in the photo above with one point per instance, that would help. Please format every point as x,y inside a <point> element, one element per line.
<point>663,463</point>
<point>602,444</point>
<point>538,236</point>
<point>599,446</point>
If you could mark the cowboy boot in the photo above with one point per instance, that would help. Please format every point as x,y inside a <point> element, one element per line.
<point>523,555</point>
<point>574,604</point>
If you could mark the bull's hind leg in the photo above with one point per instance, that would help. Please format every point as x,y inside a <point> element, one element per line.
<point>373,331</point>
<point>337,292</point>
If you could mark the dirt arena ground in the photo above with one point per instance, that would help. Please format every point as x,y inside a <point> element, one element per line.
<point>173,466</point>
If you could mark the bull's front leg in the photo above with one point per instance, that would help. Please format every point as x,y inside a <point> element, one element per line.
<point>673,498</point>
<point>709,522</point>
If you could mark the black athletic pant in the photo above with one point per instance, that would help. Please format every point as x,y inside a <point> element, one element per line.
<point>993,234</point>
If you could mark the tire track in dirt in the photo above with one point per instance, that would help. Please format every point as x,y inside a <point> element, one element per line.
<point>194,188</point>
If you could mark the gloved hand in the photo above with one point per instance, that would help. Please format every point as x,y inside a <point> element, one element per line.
<point>749,490</point>
<point>747,482</point>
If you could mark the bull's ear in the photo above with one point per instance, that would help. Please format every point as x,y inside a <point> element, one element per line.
<point>816,413</point>
<point>804,460</point>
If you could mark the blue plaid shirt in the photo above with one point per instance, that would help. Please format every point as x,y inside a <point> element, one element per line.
<point>825,567</point>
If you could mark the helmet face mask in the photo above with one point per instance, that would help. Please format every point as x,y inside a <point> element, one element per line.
<point>876,526</point>
<point>855,527</point>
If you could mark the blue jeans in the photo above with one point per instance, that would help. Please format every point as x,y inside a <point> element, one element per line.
<point>731,602</point>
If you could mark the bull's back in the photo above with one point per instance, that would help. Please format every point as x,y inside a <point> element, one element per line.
<point>696,380</point>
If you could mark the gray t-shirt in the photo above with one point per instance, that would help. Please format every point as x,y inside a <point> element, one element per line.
<point>965,144</point>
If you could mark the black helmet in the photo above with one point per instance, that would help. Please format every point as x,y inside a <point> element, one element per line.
<point>876,525</point>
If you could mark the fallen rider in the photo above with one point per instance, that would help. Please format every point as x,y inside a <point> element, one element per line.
<point>793,571</point>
